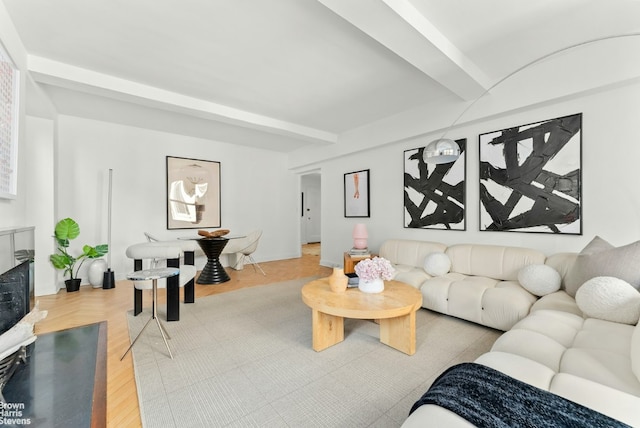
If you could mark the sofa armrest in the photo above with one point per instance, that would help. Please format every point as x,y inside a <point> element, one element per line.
<point>431,415</point>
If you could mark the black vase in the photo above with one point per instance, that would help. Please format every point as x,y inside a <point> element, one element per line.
<point>72,284</point>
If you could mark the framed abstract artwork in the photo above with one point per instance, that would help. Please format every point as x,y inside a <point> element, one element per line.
<point>434,195</point>
<point>530,177</point>
<point>9,114</point>
<point>193,193</point>
<point>356,194</point>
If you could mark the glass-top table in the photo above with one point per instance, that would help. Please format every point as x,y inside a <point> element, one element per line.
<point>153,275</point>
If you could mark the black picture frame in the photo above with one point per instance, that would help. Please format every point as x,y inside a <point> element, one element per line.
<point>193,193</point>
<point>356,194</point>
<point>530,177</point>
<point>435,195</point>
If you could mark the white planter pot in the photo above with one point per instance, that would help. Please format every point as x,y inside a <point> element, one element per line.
<point>97,268</point>
<point>375,286</point>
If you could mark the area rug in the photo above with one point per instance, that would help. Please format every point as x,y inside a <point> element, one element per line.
<point>244,359</point>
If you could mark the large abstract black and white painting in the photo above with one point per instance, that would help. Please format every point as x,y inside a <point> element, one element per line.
<point>434,195</point>
<point>530,177</point>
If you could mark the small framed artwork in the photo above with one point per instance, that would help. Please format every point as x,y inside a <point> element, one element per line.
<point>530,177</point>
<point>356,194</point>
<point>193,193</point>
<point>434,195</point>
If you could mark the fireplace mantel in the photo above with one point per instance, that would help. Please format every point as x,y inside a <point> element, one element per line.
<point>13,239</point>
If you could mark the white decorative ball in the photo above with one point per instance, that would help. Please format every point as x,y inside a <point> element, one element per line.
<point>437,264</point>
<point>539,280</point>
<point>610,299</point>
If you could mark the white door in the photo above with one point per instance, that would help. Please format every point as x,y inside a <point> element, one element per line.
<point>310,221</point>
<point>312,215</point>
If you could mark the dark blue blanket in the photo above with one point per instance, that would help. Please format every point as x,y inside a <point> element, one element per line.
<point>489,398</point>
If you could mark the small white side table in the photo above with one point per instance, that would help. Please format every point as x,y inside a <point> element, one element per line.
<point>154,275</point>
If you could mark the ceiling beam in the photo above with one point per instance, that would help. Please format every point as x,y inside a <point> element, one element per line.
<point>401,28</point>
<point>67,76</point>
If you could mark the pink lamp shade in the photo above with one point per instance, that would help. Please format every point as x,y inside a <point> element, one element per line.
<point>360,236</point>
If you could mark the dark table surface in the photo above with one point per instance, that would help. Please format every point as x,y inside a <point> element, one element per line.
<point>63,383</point>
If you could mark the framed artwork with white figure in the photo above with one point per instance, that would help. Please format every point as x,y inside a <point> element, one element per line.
<point>193,193</point>
<point>356,194</point>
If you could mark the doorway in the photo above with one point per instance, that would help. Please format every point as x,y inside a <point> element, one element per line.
<point>311,220</point>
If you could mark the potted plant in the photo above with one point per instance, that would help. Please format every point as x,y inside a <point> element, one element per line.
<point>66,230</point>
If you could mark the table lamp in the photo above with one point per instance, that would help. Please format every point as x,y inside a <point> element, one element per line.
<point>360,236</point>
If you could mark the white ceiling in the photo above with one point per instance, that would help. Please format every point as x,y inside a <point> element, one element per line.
<point>285,74</point>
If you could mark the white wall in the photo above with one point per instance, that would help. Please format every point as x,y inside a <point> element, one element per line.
<point>40,208</point>
<point>610,196</point>
<point>258,191</point>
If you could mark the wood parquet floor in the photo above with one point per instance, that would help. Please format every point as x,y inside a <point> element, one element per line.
<point>91,305</point>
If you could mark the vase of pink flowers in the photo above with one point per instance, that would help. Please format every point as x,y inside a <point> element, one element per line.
<point>372,273</point>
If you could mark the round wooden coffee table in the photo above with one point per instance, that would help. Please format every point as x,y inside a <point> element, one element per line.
<point>395,308</point>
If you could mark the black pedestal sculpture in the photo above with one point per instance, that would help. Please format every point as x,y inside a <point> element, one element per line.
<point>213,272</point>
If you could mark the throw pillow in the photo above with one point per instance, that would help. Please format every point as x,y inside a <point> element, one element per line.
<point>539,280</point>
<point>437,264</point>
<point>610,299</point>
<point>599,258</point>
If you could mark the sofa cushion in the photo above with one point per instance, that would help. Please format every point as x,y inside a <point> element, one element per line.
<point>521,368</point>
<point>539,280</point>
<point>533,345</point>
<point>435,292</point>
<point>410,275</point>
<point>560,326</point>
<point>601,353</point>
<point>599,258</point>
<point>562,263</point>
<point>486,301</point>
<point>558,301</point>
<point>437,264</point>
<point>408,252</point>
<point>608,401</point>
<point>601,366</point>
<point>465,297</point>
<point>610,336</point>
<point>609,298</point>
<point>505,304</point>
<point>492,261</point>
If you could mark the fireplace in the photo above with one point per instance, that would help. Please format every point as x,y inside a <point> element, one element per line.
<point>14,295</point>
<point>16,274</point>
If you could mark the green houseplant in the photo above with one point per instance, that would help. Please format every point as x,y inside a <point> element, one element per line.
<point>66,230</point>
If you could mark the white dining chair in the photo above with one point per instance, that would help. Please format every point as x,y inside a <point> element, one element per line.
<point>241,249</point>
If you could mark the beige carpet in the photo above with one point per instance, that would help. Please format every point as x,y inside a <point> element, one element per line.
<point>244,359</point>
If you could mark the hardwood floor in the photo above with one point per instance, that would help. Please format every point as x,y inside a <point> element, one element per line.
<point>91,305</point>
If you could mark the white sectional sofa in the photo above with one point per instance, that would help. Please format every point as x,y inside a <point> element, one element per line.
<point>481,285</point>
<point>549,342</point>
